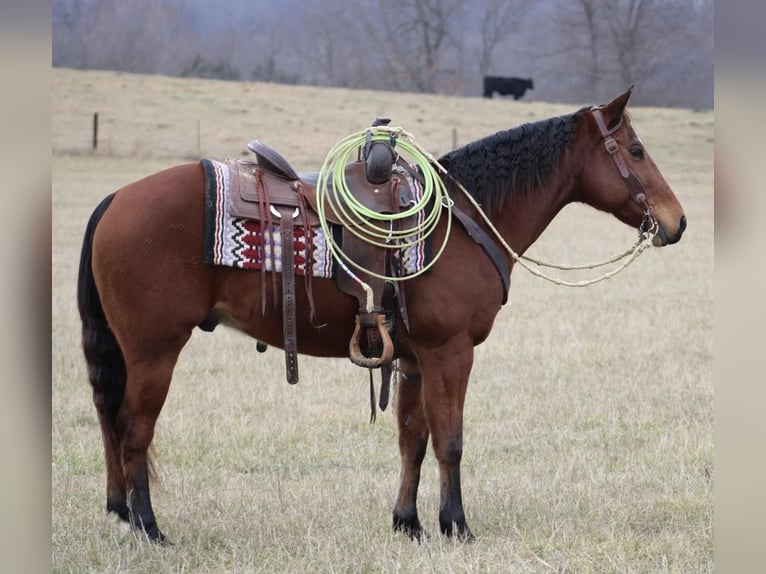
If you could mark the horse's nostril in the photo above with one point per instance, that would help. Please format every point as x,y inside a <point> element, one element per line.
<point>682,224</point>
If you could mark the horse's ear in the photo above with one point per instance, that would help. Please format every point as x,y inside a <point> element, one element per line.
<point>613,110</point>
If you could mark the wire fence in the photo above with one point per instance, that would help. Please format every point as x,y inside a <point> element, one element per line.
<point>114,135</point>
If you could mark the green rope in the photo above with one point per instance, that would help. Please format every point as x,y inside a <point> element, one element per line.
<point>375,228</point>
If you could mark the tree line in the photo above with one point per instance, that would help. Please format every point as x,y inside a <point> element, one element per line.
<point>576,50</point>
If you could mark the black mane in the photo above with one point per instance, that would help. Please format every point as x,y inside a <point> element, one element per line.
<point>511,161</point>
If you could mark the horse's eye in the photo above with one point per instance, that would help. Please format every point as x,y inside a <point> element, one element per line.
<point>636,151</point>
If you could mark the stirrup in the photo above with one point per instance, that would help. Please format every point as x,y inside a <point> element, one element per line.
<point>366,320</point>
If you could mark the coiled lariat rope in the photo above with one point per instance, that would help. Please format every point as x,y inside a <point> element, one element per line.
<point>360,220</point>
<point>375,228</point>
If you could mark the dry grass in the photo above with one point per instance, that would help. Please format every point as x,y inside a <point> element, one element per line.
<point>588,419</point>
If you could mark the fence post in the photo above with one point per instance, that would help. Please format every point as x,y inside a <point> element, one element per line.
<point>95,130</point>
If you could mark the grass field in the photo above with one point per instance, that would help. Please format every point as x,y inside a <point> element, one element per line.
<point>588,420</point>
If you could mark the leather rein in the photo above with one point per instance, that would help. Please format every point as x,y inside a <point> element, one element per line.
<point>634,185</point>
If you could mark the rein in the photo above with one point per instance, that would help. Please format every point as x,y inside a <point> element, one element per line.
<point>647,230</point>
<point>644,241</point>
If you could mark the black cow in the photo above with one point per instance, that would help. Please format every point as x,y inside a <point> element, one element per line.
<point>505,86</point>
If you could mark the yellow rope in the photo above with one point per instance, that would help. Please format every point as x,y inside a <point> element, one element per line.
<point>368,225</point>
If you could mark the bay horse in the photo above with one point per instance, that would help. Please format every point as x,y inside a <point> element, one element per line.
<point>143,288</point>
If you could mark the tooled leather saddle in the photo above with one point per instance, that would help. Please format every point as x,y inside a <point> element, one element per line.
<point>269,190</point>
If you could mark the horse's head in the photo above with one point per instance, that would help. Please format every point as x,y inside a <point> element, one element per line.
<point>620,176</point>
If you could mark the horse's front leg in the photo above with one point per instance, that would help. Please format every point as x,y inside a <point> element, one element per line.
<point>445,373</point>
<point>413,440</point>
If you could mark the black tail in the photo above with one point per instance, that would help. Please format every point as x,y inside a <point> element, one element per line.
<point>106,365</point>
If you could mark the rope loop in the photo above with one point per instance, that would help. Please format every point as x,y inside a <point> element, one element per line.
<point>379,229</point>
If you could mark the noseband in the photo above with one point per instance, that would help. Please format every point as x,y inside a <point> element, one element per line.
<point>635,187</point>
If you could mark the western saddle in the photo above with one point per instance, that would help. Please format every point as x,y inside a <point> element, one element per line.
<point>270,191</point>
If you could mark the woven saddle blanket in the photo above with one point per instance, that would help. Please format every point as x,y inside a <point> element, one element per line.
<point>239,242</point>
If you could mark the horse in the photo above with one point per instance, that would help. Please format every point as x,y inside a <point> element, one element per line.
<point>143,288</point>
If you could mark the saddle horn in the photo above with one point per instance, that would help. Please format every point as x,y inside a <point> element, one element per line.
<point>379,156</point>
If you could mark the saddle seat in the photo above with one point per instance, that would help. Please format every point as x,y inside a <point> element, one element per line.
<point>285,185</point>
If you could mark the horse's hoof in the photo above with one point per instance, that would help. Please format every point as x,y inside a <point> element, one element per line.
<point>415,534</point>
<point>412,529</point>
<point>158,537</point>
<point>154,535</point>
<point>461,532</point>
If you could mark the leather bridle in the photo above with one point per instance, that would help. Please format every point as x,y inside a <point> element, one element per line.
<point>634,185</point>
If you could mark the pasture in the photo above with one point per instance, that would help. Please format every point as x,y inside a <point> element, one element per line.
<point>588,419</point>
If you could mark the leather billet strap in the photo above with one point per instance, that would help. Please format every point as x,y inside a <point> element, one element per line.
<point>490,247</point>
<point>265,209</point>
<point>635,186</point>
<point>286,230</point>
<point>476,233</point>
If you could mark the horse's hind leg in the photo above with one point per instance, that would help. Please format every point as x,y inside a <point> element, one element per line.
<point>413,440</point>
<point>116,491</point>
<point>145,392</point>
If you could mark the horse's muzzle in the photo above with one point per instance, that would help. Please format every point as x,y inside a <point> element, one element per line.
<point>664,238</point>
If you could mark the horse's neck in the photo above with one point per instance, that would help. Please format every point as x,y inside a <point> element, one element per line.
<point>523,218</point>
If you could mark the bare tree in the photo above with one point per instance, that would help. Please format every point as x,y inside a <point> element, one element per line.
<point>500,19</point>
<point>577,50</point>
<point>631,35</point>
<point>328,40</point>
<point>682,70</point>
<point>577,53</point>
<point>410,42</point>
<point>129,36</point>
<point>589,11</point>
